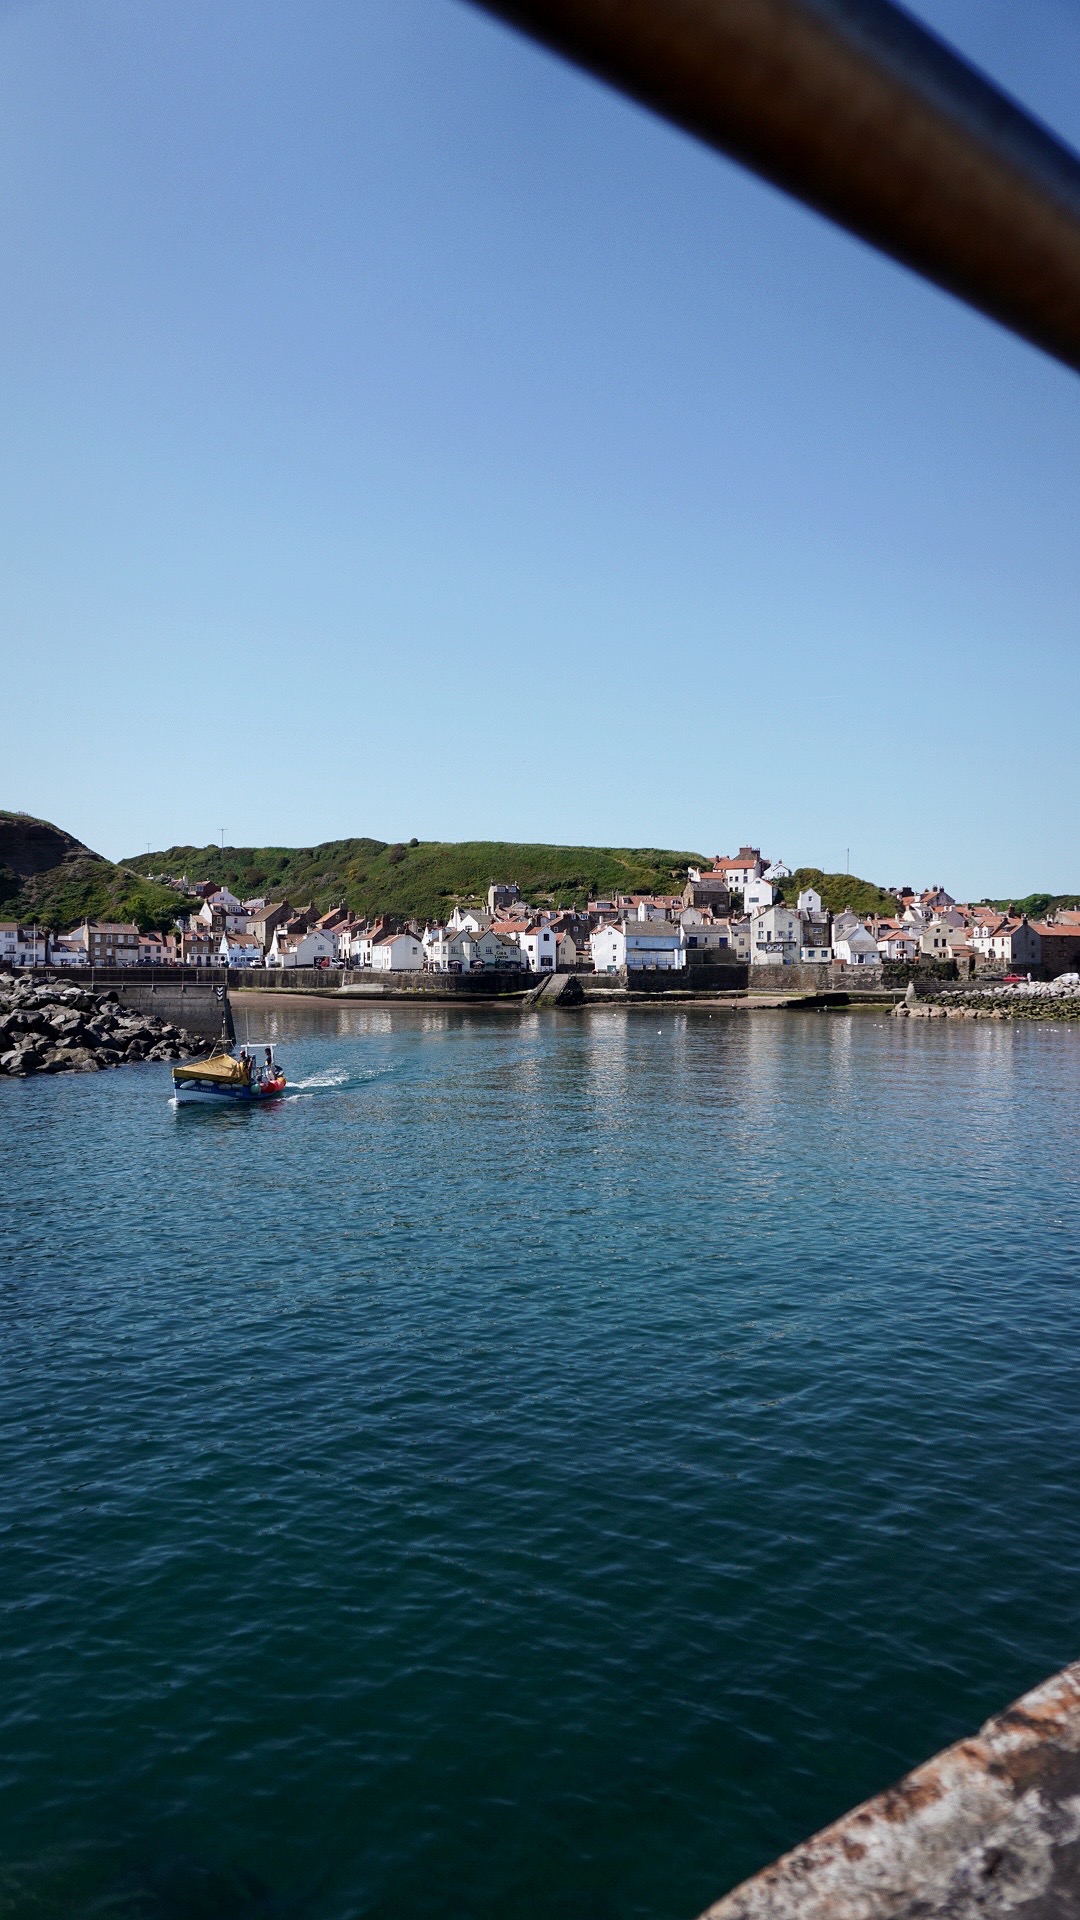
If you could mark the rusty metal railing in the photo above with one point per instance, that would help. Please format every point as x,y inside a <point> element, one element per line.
<point>861,112</point>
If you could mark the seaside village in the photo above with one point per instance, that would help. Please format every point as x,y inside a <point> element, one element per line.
<point>731,911</point>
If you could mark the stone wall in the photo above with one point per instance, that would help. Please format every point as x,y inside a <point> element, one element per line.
<point>490,983</point>
<point>808,978</point>
<point>728,976</point>
<point>984,1831</point>
<point>181,998</point>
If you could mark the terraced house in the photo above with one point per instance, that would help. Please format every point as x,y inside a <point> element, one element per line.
<point>110,943</point>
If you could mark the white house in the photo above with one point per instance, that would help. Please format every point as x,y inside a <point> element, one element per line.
<point>758,894</point>
<point>447,949</point>
<point>895,942</point>
<point>700,931</point>
<point>315,946</point>
<point>487,950</point>
<point>852,945</point>
<point>354,944</point>
<point>224,904</point>
<point>67,950</point>
<point>469,920</point>
<point>738,926</point>
<point>1016,944</point>
<point>309,949</point>
<point>282,949</point>
<point>809,902</point>
<point>642,906</point>
<point>236,950</point>
<point>743,867</point>
<point>945,938</point>
<point>397,953</point>
<point>510,954</point>
<point>775,937</point>
<point>637,943</point>
<point>537,943</point>
<point>779,870</point>
<point>22,946</point>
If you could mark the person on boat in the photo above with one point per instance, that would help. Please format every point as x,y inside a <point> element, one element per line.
<point>268,1070</point>
<point>245,1063</point>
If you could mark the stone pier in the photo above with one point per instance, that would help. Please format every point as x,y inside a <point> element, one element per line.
<point>987,1830</point>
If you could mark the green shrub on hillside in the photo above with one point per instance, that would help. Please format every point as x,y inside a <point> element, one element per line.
<point>425,878</point>
<point>1035,905</point>
<point>838,890</point>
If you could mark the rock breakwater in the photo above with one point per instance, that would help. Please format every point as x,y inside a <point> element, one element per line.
<point>1030,1000</point>
<point>51,1028</point>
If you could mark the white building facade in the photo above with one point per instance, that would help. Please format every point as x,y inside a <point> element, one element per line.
<point>398,953</point>
<point>637,944</point>
<point>775,937</point>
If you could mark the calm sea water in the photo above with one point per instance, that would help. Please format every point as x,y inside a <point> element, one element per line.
<point>541,1469</point>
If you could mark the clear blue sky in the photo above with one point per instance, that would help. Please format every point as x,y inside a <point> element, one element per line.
<point>404,435</point>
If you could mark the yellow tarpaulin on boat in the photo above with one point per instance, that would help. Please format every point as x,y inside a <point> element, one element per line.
<point>220,1067</point>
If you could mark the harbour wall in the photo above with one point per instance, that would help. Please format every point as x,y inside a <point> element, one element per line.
<point>182,999</point>
<point>194,997</point>
<point>984,1831</point>
<point>805,977</point>
<point>493,983</point>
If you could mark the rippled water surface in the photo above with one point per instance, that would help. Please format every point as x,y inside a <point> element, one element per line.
<point>541,1469</point>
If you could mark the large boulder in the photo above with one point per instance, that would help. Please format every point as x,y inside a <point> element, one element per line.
<point>26,1021</point>
<point>75,997</point>
<point>65,1023</point>
<point>25,1059</point>
<point>70,1060</point>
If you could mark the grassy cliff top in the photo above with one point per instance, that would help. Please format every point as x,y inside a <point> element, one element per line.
<point>424,879</point>
<point>48,876</point>
<point>838,890</point>
<point>50,879</point>
<point>1035,905</point>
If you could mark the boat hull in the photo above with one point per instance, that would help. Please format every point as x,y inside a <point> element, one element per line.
<point>204,1093</point>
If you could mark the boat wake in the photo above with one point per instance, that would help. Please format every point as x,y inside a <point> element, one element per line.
<point>337,1080</point>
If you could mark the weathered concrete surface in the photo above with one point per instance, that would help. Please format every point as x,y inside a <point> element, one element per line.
<point>990,1828</point>
<point>487,983</point>
<point>192,999</point>
<point>556,990</point>
<point>194,1006</point>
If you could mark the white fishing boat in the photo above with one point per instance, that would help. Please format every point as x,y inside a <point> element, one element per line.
<point>227,1074</point>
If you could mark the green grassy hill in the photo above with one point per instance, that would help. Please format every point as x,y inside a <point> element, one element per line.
<point>50,879</point>
<point>426,878</point>
<point>1035,905</point>
<point>838,890</point>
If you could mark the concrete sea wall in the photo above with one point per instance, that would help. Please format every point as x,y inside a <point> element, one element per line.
<point>492,983</point>
<point>181,999</point>
<point>808,978</point>
<point>987,1830</point>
